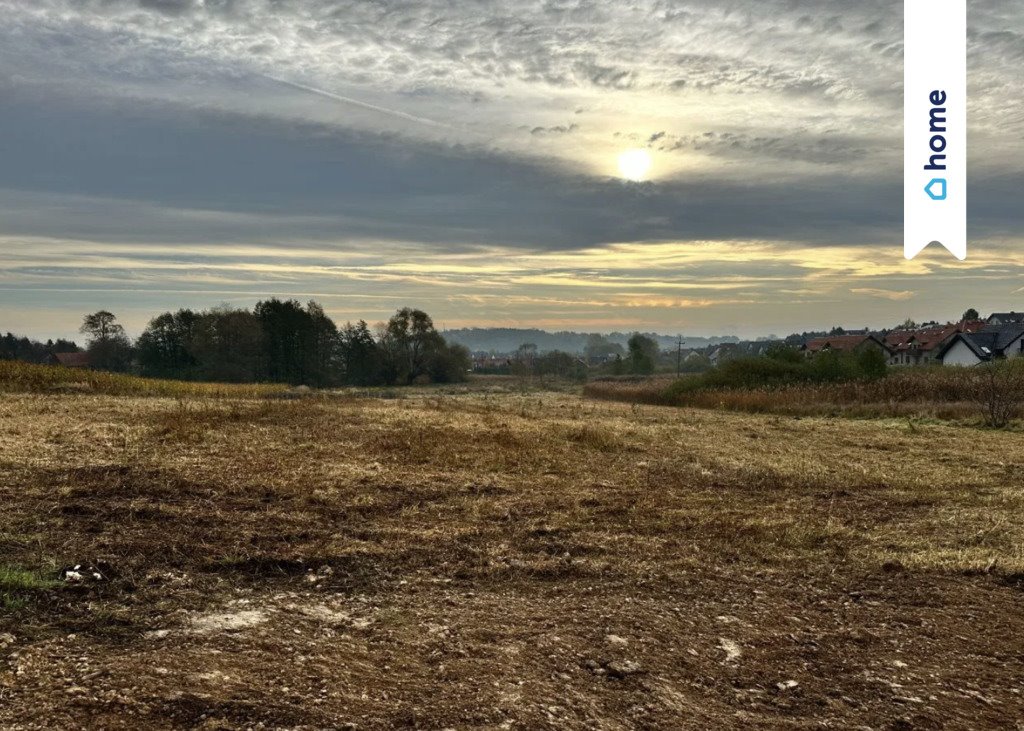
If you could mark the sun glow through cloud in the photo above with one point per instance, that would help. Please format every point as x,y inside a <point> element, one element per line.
<point>635,164</point>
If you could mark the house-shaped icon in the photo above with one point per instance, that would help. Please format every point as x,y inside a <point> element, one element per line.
<point>936,189</point>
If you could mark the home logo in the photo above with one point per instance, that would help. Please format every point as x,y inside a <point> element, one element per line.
<point>936,189</point>
<point>935,126</point>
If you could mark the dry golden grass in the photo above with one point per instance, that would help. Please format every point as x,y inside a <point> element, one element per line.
<point>18,377</point>
<point>949,394</point>
<point>505,560</point>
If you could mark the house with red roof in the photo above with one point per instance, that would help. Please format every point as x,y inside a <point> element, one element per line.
<point>845,344</point>
<point>923,346</point>
<point>70,360</point>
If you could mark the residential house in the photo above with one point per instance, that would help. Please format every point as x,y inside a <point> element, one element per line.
<point>69,360</point>
<point>721,353</point>
<point>994,343</point>
<point>922,346</point>
<point>1006,318</point>
<point>845,344</point>
<point>490,361</point>
<point>756,348</point>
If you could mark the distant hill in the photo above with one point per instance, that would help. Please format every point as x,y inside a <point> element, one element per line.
<point>507,340</point>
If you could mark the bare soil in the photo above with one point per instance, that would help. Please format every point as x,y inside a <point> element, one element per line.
<point>504,561</point>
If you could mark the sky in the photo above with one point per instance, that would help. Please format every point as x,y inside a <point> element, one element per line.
<point>461,156</point>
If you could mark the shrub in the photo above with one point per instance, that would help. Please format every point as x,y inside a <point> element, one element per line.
<point>780,369</point>
<point>939,392</point>
<point>998,389</point>
<point>872,363</point>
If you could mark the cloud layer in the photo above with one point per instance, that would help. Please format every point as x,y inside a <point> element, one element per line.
<point>476,129</point>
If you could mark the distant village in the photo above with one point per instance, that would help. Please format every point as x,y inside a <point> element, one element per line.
<point>972,341</point>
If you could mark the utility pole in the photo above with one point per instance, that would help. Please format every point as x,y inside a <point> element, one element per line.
<point>679,357</point>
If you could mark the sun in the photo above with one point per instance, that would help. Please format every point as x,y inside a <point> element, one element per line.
<point>634,164</point>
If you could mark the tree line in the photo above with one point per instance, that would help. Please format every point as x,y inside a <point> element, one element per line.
<point>279,341</point>
<point>641,356</point>
<point>13,347</point>
<point>784,366</point>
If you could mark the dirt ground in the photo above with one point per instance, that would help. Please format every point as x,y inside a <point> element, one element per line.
<point>503,561</point>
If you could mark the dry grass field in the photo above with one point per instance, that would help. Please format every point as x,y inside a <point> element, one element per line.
<point>18,377</point>
<point>499,560</point>
<point>949,394</point>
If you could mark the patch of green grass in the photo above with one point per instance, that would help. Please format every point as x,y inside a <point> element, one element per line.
<point>17,583</point>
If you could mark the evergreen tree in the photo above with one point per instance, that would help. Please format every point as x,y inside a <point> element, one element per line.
<point>643,354</point>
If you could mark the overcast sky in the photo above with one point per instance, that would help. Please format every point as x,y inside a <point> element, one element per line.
<point>461,156</point>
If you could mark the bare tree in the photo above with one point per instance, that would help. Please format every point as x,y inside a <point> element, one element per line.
<point>101,326</point>
<point>999,391</point>
<point>109,347</point>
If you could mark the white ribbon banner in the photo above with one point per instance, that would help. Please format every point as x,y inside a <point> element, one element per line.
<point>935,126</point>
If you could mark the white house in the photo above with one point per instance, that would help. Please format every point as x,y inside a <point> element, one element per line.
<point>1006,318</point>
<point>971,349</point>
